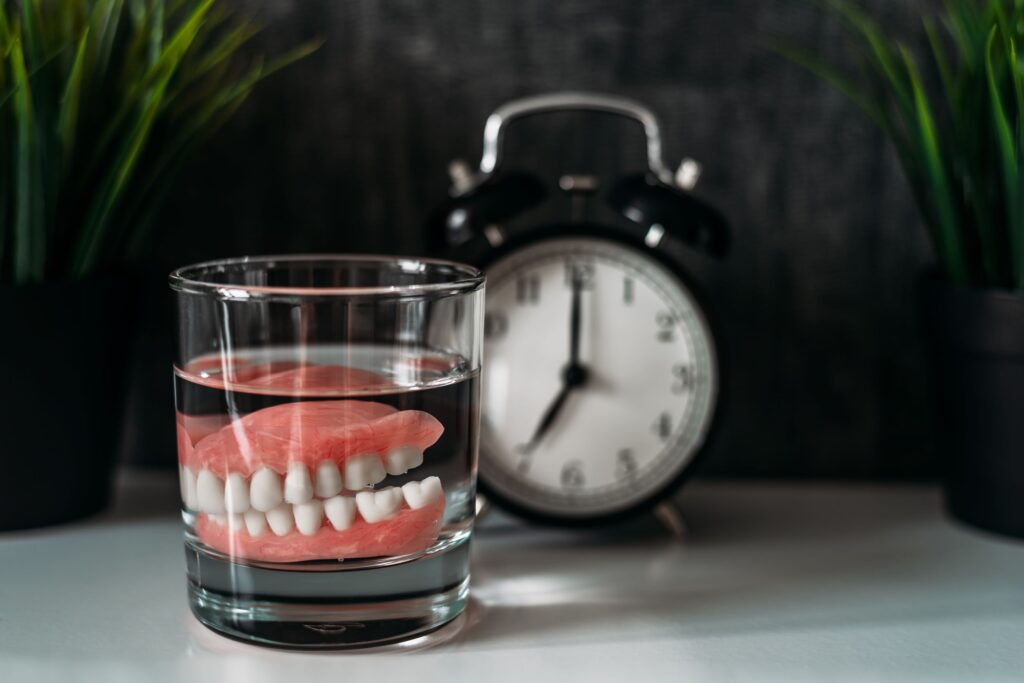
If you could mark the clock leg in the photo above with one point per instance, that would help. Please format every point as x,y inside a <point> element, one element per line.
<point>671,517</point>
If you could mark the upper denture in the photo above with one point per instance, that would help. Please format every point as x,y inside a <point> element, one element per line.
<point>309,433</point>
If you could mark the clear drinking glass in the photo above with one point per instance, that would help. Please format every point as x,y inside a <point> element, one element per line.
<point>327,419</point>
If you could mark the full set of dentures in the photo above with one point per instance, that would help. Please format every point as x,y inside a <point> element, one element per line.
<point>295,482</point>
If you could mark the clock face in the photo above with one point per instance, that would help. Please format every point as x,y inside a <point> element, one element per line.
<point>595,430</point>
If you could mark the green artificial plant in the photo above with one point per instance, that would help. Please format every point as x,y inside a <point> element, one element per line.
<point>956,119</point>
<point>101,101</point>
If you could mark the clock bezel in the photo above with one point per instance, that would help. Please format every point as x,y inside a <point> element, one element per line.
<point>598,231</point>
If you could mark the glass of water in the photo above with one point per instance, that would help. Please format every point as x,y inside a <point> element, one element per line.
<point>327,419</point>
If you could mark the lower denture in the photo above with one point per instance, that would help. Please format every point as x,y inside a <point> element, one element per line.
<point>404,532</point>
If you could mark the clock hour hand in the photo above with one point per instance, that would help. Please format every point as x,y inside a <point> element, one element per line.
<point>549,418</point>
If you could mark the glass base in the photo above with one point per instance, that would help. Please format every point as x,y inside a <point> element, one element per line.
<point>328,610</point>
<point>327,627</point>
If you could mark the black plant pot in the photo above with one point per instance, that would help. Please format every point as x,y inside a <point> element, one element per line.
<point>976,347</point>
<point>62,358</point>
<point>149,438</point>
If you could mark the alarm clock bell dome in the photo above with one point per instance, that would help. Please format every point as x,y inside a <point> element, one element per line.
<point>494,201</point>
<point>683,216</point>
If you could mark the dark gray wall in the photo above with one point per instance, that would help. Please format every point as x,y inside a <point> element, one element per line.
<point>347,151</point>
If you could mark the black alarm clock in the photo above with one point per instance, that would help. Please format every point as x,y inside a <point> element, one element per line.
<point>602,378</point>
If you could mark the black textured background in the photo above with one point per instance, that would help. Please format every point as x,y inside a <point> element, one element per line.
<point>347,151</point>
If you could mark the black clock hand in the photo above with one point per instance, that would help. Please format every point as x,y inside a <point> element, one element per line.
<point>574,321</point>
<point>549,417</point>
<point>574,374</point>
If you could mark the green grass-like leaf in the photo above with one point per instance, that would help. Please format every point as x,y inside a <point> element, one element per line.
<point>941,192</point>
<point>68,117</point>
<point>1006,152</point>
<point>961,142</point>
<point>28,233</point>
<point>101,104</point>
<point>97,223</point>
<point>883,56</point>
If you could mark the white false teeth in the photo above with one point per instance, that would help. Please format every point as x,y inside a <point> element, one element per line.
<point>375,506</point>
<point>419,494</point>
<point>209,493</point>
<point>402,459</point>
<point>298,487</point>
<point>363,470</point>
<point>233,522</point>
<point>182,485</point>
<point>188,485</point>
<point>309,516</point>
<point>304,496</point>
<point>265,490</point>
<point>255,522</point>
<point>340,512</point>
<point>328,479</point>
<point>281,519</point>
<point>236,493</point>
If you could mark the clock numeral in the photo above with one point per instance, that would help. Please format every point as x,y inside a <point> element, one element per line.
<point>666,326</point>
<point>627,291</point>
<point>684,378</point>
<point>579,271</point>
<point>495,325</point>
<point>625,464</point>
<point>528,289</point>
<point>572,475</point>
<point>663,426</point>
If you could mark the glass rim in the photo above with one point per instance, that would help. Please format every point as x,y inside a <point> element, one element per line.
<point>185,279</point>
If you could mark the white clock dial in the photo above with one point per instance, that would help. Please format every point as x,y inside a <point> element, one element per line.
<point>641,413</point>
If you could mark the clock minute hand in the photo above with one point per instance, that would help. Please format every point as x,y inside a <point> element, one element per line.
<point>573,375</point>
<point>574,321</point>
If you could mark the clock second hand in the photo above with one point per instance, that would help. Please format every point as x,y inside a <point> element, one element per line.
<point>573,376</point>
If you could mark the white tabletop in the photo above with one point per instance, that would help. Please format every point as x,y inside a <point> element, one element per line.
<point>775,582</point>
